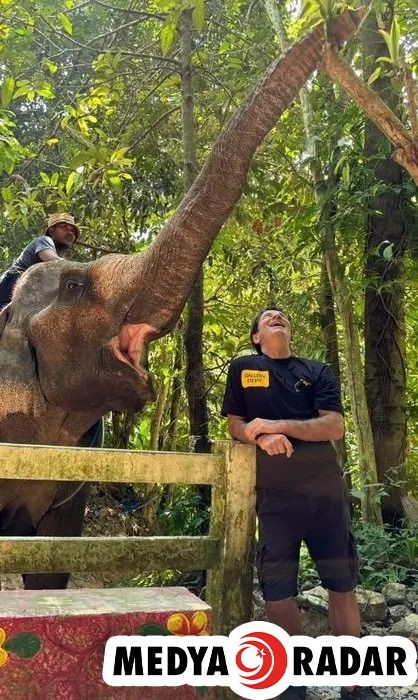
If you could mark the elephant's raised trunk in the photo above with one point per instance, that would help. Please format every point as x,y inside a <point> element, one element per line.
<point>170,267</point>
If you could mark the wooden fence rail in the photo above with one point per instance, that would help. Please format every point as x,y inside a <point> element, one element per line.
<point>227,553</point>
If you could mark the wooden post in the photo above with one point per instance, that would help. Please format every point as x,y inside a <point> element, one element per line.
<point>230,584</point>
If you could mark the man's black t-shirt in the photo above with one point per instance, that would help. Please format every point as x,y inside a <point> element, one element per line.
<point>291,388</point>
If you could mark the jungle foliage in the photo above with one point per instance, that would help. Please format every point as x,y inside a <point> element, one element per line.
<point>90,122</point>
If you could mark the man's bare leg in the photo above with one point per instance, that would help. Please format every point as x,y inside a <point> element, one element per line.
<point>285,614</point>
<point>344,613</point>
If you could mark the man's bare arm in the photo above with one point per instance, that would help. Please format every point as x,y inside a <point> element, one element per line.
<point>272,444</point>
<point>48,254</point>
<point>236,427</point>
<point>329,425</point>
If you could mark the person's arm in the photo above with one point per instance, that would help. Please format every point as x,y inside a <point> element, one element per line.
<point>237,429</point>
<point>45,249</point>
<point>48,254</point>
<point>233,408</point>
<point>272,444</point>
<point>329,425</point>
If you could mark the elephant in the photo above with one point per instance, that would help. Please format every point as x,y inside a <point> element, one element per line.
<point>72,339</point>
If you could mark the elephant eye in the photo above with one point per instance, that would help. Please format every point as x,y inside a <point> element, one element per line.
<point>72,284</point>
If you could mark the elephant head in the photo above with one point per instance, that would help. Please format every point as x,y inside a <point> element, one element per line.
<point>72,338</point>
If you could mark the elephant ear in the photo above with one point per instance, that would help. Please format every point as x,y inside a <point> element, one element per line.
<point>4,318</point>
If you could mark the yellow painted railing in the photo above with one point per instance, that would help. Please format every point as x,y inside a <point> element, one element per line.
<point>227,552</point>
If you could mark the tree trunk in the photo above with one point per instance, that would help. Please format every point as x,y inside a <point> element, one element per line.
<point>384,320</point>
<point>367,461</point>
<point>193,342</point>
<point>329,329</point>
<point>153,492</point>
<point>158,415</point>
<point>122,426</point>
<point>175,394</point>
<point>326,301</point>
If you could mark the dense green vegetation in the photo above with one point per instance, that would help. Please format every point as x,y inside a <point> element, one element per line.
<point>91,122</point>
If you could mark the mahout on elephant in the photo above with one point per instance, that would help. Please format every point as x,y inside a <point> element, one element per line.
<point>61,233</point>
<point>72,339</point>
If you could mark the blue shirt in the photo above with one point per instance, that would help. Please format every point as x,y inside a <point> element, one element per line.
<point>30,255</point>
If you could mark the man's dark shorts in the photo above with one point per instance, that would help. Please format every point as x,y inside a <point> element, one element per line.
<point>303,498</point>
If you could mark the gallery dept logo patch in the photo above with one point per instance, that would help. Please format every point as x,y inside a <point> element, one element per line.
<point>259,661</point>
<point>254,378</point>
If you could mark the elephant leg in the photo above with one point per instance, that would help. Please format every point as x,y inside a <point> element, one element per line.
<point>18,522</point>
<point>66,520</point>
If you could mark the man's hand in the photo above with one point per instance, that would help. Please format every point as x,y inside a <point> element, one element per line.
<point>261,426</point>
<point>275,444</point>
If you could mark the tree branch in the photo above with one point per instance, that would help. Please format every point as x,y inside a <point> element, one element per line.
<point>339,71</point>
<point>153,125</point>
<point>141,13</point>
<point>93,49</point>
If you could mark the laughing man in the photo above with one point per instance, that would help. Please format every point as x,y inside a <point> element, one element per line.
<point>290,408</point>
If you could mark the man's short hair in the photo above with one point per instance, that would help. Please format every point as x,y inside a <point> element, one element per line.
<point>254,326</point>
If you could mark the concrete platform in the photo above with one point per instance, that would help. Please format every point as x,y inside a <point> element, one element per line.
<point>52,642</point>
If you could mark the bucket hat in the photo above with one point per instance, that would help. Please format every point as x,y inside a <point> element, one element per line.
<point>62,218</point>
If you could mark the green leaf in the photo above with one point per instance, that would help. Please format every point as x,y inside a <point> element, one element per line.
<point>388,252</point>
<point>49,65</point>
<point>79,136</point>
<point>374,76</point>
<point>346,174</point>
<point>7,194</point>
<point>151,628</point>
<point>308,9</point>
<point>25,645</point>
<point>65,23</point>
<point>23,87</point>
<point>7,90</point>
<point>82,158</point>
<point>114,180</point>
<point>54,179</point>
<point>167,36</point>
<point>70,182</point>
<point>392,40</point>
<point>384,59</point>
<point>44,177</point>
<point>386,37</point>
<point>198,15</point>
<point>339,164</point>
<point>45,89</point>
<point>395,36</point>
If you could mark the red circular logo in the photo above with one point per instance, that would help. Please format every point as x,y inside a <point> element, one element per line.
<point>261,660</point>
